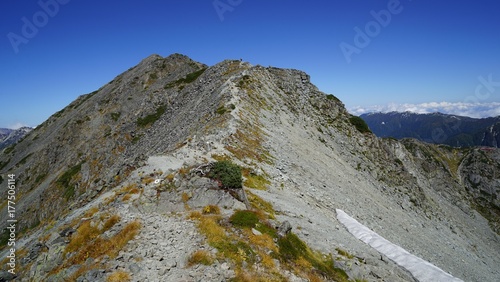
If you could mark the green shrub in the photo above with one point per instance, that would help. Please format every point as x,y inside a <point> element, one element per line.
<point>4,164</point>
<point>9,149</point>
<point>153,76</point>
<point>64,180</point>
<point>4,237</point>
<point>187,79</point>
<point>228,173</point>
<point>244,218</point>
<point>360,124</point>
<point>291,247</point>
<point>115,116</point>
<point>332,97</point>
<point>40,177</point>
<point>193,76</point>
<point>150,119</point>
<point>23,160</point>
<point>221,110</point>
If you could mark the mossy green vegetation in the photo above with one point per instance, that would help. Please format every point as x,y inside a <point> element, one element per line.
<point>291,248</point>
<point>332,97</point>
<point>153,76</point>
<point>9,149</point>
<point>115,116</point>
<point>23,160</point>
<point>151,118</point>
<point>4,164</point>
<point>360,124</point>
<point>187,79</point>
<point>259,204</point>
<point>244,218</point>
<point>228,173</point>
<point>221,110</point>
<point>193,76</point>
<point>65,179</point>
<point>245,80</point>
<point>255,181</point>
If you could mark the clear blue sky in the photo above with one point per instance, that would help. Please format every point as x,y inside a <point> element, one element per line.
<point>428,51</point>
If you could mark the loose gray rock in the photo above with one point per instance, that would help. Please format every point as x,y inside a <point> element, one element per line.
<point>284,229</point>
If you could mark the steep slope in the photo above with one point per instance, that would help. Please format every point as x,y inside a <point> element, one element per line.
<point>437,128</point>
<point>139,149</point>
<point>104,134</point>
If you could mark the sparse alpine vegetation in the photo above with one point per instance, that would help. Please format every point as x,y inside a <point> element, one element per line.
<point>187,79</point>
<point>151,118</point>
<point>360,124</point>
<point>228,173</point>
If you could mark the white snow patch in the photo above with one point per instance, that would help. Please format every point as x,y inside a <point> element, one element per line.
<point>419,268</point>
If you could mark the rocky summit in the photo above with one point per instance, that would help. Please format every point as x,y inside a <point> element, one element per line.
<point>179,171</point>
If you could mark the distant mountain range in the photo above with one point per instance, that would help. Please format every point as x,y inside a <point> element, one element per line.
<point>11,136</point>
<point>438,128</point>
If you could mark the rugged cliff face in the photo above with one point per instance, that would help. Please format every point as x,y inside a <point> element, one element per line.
<point>133,157</point>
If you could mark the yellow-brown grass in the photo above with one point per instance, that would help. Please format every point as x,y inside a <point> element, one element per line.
<point>87,244</point>
<point>84,234</point>
<point>128,188</point>
<point>260,205</point>
<point>184,170</point>
<point>194,215</point>
<point>134,190</point>
<point>254,181</point>
<point>109,200</point>
<point>200,257</point>
<point>114,219</point>
<point>170,177</point>
<point>248,145</point>
<point>219,158</point>
<point>211,209</point>
<point>212,230</point>
<point>82,270</point>
<point>90,212</point>
<point>263,241</point>
<point>313,277</point>
<point>147,180</point>
<point>119,276</point>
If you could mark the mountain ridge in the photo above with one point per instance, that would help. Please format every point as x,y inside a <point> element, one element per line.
<point>167,119</point>
<point>437,128</point>
<point>11,136</point>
